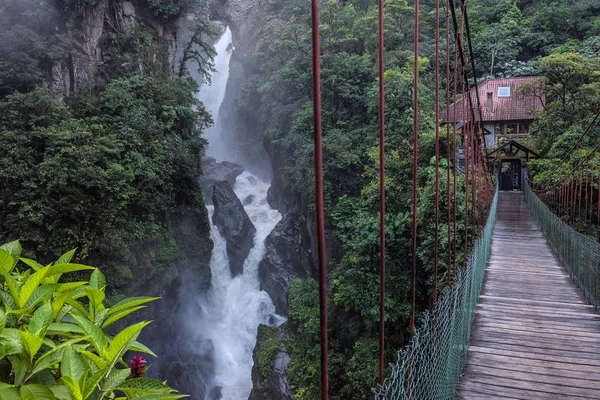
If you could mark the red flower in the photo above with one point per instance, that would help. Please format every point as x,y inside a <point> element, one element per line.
<point>137,364</point>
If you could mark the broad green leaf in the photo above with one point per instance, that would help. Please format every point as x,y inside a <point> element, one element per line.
<point>19,369</point>
<point>30,285</point>
<point>41,320</point>
<point>7,299</point>
<point>41,293</point>
<point>66,258</point>
<point>98,361</point>
<point>6,261</point>
<point>115,378</point>
<point>77,307</point>
<point>60,392</point>
<point>162,397</point>
<point>46,362</point>
<point>2,320</point>
<point>63,327</point>
<point>36,266</point>
<point>141,348</point>
<point>63,312</point>
<point>99,340</point>
<point>10,348</point>
<point>97,280</point>
<point>9,393</point>
<point>49,342</point>
<point>148,385</point>
<point>65,268</point>
<point>92,383</point>
<point>115,317</point>
<point>13,287</point>
<point>60,301</point>
<point>70,286</point>
<point>72,364</point>
<point>96,297</point>
<point>129,303</point>
<point>14,249</point>
<point>120,344</point>
<point>36,392</point>
<point>73,387</point>
<point>31,343</point>
<point>60,348</point>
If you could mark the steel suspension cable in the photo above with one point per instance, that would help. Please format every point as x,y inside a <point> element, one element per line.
<point>437,149</point>
<point>448,194</point>
<point>319,197</point>
<point>381,195</point>
<point>415,166</point>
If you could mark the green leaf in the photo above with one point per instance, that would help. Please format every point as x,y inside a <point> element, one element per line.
<point>98,361</point>
<point>6,261</point>
<point>10,348</point>
<point>7,299</point>
<point>115,378</point>
<point>97,280</point>
<point>19,370</point>
<point>70,285</point>
<point>41,293</point>
<point>41,319</point>
<point>65,268</point>
<point>36,392</point>
<point>2,320</point>
<point>30,285</point>
<point>96,297</point>
<point>99,340</point>
<point>31,343</point>
<point>129,303</point>
<point>120,344</point>
<point>13,288</point>
<point>72,364</point>
<point>73,387</point>
<point>60,392</point>
<point>162,397</point>
<point>46,362</point>
<point>115,317</point>
<point>9,393</point>
<point>66,258</point>
<point>148,385</point>
<point>33,264</point>
<point>63,327</point>
<point>93,381</point>
<point>141,348</point>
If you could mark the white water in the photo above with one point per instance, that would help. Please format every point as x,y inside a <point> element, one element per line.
<point>236,306</point>
<point>212,96</point>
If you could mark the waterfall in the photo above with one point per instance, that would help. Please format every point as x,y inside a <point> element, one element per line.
<point>212,96</point>
<point>235,307</point>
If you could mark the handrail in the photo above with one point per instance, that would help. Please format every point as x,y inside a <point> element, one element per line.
<point>578,253</point>
<point>429,367</point>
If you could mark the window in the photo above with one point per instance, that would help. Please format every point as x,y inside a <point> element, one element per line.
<point>504,91</point>
<point>523,128</point>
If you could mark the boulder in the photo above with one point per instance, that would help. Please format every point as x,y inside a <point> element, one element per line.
<point>288,256</point>
<point>233,224</point>
<point>270,363</point>
<point>213,172</point>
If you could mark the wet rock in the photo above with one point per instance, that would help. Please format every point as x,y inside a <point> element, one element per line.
<point>248,200</point>
<point>215,393</point>
<point>233,224</point>
<point>288,256</point>
<point>213,172</point>
<point>270,363</point>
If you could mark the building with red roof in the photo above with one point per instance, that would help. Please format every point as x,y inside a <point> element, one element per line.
<point>506,113</point>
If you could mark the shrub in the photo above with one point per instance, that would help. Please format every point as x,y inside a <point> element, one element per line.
<point>54,342</point>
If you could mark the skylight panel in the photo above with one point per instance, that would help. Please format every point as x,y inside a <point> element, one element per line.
<point>504,91</point>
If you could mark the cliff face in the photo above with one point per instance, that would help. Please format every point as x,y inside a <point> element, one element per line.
<point>94,52</point>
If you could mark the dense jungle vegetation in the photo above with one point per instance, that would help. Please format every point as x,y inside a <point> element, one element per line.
<point>558,40</point>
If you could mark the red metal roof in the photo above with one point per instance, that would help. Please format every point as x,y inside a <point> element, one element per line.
<point>515,107</point>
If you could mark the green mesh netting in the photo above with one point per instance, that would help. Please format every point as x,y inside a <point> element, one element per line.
<point>430,366</point>
<point>578,253</point>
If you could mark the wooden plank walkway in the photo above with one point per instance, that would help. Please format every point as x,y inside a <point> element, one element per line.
<point>534,335</point>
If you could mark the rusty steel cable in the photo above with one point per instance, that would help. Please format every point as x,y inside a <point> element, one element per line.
<point>437,150</point>
<point>415,166</point>
<point>319,198</point>
<point>381,195</point>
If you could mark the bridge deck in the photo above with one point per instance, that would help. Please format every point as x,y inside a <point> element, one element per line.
<point>534,336</point>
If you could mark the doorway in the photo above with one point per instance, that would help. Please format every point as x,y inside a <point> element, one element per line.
<point>510,175</point>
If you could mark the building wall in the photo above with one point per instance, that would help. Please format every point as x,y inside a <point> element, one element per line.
<point>491,141</point>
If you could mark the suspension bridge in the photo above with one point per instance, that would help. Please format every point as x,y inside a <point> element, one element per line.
<point>517,315</point>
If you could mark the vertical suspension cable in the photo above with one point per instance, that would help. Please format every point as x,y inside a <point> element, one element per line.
<point>455,247</point>
<point>319,198</point>
<point>381,196</point>
<point>437,150</point>
<point>448,194</point>
<point>415,166</point>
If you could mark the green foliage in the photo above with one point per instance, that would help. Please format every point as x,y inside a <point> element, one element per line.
<point>106,174</point>
<point>53,335</point>
<point>268,351</point>
<point>168,8</point>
